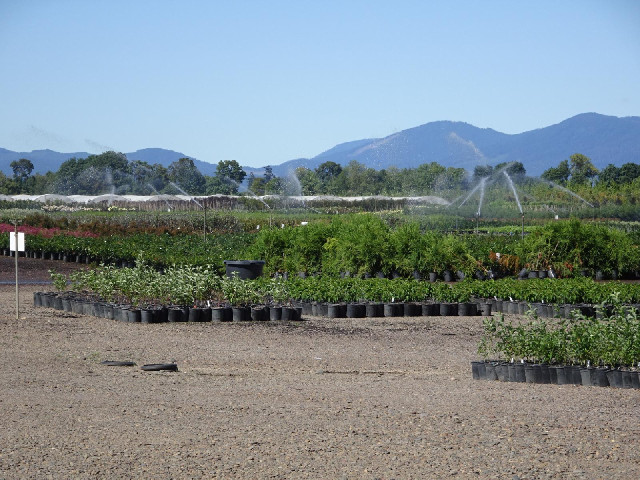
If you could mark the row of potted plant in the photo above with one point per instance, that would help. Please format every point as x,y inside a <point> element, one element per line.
<point>600,350</point>
<point>198,285</point>
<point>366,245</point>
<point>158,250</point>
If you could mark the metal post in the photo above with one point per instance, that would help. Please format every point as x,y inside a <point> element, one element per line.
<point>16,254</point>
<point>523,226</point>
<point>205,220</point>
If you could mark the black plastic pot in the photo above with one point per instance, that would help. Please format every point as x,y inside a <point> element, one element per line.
<point>522,308</point>
<point>615,378</point>
<point>288,314</point>
<point>478,370</point>
<point>490,371</point>
<point>292,314</point>
<point>430,309</point>
<point>259,314</point>
<point>245,269</point>
<point>393,309</point>
<point>630,379</point>
<point>241,314</point>
<point>575,374</point>
<point>195,315</point>
<point>322,309</point>
<point>221,314</point>
<point>599,377</point>
<point>485,309</point>
<point>147,315</point>
<point>275,313</point>
<point>336,310</point>
<point>133,315</point>
<point>374,310</point>
<point>561,378</point>
<point>585,373</point>
<point>433,276</point>
<point>412,309</point>
<point>66,304</point>
<point>502,372</point>
<point>176,314</point>
<point>356,310</point>
<point>463,309</point>
<point>446,309</point>
<point>530,373</point>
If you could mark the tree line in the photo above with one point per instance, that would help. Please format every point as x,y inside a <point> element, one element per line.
<point>112,172</point>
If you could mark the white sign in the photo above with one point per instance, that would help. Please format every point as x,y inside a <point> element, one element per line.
<point>12,241</point>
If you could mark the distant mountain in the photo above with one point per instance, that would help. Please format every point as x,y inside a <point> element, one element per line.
<point>48,160</point>
<point>604,139</point>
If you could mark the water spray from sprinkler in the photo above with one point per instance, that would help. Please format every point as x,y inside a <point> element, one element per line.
<point>204,231</point>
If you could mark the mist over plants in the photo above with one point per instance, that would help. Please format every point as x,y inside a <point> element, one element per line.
<point>487,191</point>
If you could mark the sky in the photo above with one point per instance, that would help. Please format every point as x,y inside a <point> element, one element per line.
<point>264,82</point>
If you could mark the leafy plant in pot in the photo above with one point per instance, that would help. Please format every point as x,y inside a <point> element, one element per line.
<point>240,294</point>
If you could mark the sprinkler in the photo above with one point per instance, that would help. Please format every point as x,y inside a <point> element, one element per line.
<point>523,226</point>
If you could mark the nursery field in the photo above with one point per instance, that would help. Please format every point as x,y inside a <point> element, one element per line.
<point>322,398</point>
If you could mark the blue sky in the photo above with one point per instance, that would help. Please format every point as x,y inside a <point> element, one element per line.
<point>264,82</point>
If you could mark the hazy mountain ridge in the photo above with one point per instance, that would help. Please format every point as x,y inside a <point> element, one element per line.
<point>605,139</point>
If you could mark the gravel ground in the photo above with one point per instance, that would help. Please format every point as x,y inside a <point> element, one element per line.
<point>321,399</point>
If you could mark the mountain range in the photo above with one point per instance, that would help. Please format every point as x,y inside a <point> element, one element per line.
<point>604,139</point>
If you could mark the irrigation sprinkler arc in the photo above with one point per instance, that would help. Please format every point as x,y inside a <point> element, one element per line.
<point>192,198</point>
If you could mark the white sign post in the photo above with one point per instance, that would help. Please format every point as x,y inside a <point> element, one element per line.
<point>16,244</point>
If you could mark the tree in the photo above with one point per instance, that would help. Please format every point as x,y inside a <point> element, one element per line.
<point>327,171</point>
<point>513,169</point>
<point>309,181</point>
<point>582,170</point>
<point>274,186</point>
<point>629,172</point>
<point>268,174</point>
<point>186,176</point>
<point>609,175</point>
<point>147,178</point>
<point>231,170</point>
<point>218,186</point>
<point>482,171</point>
<point>559,174</point>
<point>256,184</point>
<point>21,169</point>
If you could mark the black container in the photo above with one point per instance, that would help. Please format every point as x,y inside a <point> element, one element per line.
<point>245,269</point>
<point>259,314</point>
<point>393,309</point>
<point>502,372</point>
<point>221,314</point>
<point>374,310</point>
<point>490,370</point>
<point>585,373</point>
<point>412,309</point>
<point>599,377</point>
<point>615,378</point>
<point>561,378</point>
<point>241,314</point>
<point>478,370</point>
<point>356,310</point>
<point>336,310</point>
<point>430,309</point>
<point>275,313</point>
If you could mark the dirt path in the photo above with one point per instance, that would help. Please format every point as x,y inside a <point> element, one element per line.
<point>321,399</point>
